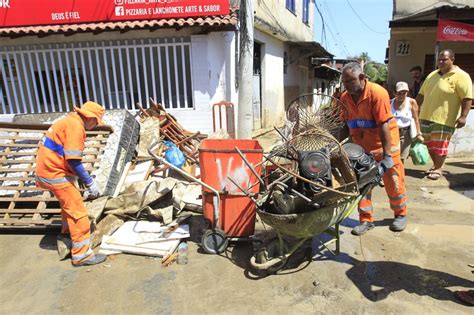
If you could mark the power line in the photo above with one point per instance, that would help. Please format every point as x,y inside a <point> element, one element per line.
<point>360,19</point>
<point>323,26</point>
<point>344,47</point>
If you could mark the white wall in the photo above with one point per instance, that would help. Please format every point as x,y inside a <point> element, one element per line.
<point>213,79</point>
<point>273,102</point>
<point>462,143</point>
<point>279,21</point>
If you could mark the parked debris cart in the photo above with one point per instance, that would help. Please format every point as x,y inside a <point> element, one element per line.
<point>221,162</point>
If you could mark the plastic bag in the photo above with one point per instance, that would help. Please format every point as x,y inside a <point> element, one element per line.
<point>419,154</point>
<point>174,155</point>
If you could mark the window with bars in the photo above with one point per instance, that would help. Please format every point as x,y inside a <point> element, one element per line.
<point>119,74</point>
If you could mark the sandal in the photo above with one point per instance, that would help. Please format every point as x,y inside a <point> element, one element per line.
<point>427,172</point>
<point>434,175</point>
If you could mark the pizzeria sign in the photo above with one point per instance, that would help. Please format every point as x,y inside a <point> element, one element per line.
<point>51,12</point>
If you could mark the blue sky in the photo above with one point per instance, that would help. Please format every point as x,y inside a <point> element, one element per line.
<point>351,31</point>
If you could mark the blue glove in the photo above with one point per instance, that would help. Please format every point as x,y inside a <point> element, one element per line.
<point>386,163</point>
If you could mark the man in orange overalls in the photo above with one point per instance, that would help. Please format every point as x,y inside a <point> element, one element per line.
<point>372,125</point>
<point>58,164</point>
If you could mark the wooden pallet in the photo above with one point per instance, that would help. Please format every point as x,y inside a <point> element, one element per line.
<point>22,204</point>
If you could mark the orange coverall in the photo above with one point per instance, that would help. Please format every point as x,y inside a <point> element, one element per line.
<point>364,120</point>
<point>63,141</point>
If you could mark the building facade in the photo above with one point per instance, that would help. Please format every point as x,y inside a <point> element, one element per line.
<point>413,42</point>
<point>185,63</point>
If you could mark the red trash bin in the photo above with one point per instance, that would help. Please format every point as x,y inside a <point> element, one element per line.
<point>219,160</point>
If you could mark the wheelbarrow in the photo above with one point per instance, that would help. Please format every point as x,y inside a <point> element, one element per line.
<point>274,255</point>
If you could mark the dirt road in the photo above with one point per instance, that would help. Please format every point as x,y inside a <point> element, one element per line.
<point>413,272</point>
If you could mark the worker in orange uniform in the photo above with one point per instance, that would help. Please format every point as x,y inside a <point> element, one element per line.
<point>58,164</point>
<point>372,125</point>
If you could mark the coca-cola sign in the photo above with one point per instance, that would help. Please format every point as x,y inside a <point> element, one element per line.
<point>454,31</point>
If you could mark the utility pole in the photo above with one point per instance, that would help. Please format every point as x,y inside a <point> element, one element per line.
<point>245,110</point>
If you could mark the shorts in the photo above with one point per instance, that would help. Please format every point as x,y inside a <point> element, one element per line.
<point>437,136</point>
<point>405,142</point>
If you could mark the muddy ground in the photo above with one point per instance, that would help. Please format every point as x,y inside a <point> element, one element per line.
<point>413,272</point>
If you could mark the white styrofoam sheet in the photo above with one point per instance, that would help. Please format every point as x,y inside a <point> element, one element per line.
<point>145,238</point>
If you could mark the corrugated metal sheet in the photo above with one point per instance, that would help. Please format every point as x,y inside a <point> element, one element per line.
<point>223,20</point>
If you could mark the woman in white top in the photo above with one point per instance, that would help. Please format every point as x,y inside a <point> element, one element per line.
<point>404,109</point>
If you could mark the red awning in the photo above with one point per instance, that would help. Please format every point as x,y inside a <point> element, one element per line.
<point>217,21</point>
<point>454,31</point>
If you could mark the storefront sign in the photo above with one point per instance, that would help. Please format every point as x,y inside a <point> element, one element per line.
<point>454,31</point>
<point>50,12</point>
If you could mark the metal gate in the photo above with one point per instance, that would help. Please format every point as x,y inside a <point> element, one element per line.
<point>116,74</point>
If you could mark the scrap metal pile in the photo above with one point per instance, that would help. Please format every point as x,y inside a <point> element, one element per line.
<point>319,169</point>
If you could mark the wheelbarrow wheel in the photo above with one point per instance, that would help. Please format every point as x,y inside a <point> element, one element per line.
<point>214,241</point>
<point>272,249</point>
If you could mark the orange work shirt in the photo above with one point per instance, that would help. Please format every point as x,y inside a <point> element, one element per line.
<point>63,141</point>
<point>365,117</point>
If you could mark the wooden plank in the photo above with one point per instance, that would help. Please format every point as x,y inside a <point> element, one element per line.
<point>32,161</point>
<point>21,222</point>
<point>43,127</point>
<point>21,138</point>
<point>2,178</point>
<point>24,188</point>
<point>35,145</point>
<point>27,199</point>
<point>19,145</point>
<point>23,153</point>
<point>27,211</point>
<point>39,138</point>
<point>29,169</point>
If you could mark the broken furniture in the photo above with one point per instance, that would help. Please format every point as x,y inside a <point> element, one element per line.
<point>226,109</point>
<point>188,142</point>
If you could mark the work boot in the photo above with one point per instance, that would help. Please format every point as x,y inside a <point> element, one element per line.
<point>399,223</point>
<point>64,244</point>
<point>362,228</point>
<point>93,260</point>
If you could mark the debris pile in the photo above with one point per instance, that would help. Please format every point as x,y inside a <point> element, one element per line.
<point>164,126</point>
<point>141,204</point>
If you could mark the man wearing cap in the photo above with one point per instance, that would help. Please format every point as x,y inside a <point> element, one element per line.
<point>372,126</point>
<point>405,111</point>
<point>58,164</point>
<point>445,99</point>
